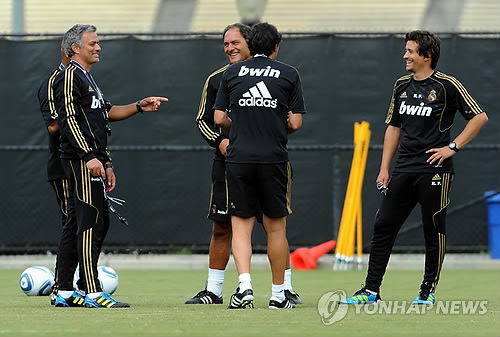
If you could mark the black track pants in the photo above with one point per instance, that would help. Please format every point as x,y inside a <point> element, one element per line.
<point>85,229</point>
<point>430,190</point>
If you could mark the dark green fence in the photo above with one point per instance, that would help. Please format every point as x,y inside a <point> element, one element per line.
<point>163,165</point>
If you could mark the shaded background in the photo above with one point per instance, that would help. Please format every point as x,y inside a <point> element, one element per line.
<point>163,165</point>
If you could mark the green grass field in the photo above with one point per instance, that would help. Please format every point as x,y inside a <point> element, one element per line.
<point>158,309</point>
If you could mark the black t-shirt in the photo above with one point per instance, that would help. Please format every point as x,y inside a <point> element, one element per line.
<point>259,93</point>
<point>82,115</point>
<point>49,114</point>
<point>425,110</point>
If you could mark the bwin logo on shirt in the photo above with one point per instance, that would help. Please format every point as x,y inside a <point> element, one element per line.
<point>266,72</point>
<point>95,103</point>
<point>415,109</point>
<point>258,96</point>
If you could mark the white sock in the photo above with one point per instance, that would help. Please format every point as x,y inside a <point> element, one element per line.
<point>65,293</point>
<point>245,281</point>
<point>94,295</point>
<point>288,279</point>
<point>81,292</point>
<point>278,292</point>
<point>215,281</point>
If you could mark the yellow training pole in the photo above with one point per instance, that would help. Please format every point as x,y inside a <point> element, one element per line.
<point>344,227</point>
<point>353,202</point>
<point>358,186</point>
<point>366,144</point>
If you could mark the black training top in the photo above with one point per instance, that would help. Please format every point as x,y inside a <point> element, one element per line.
<point>424,110</point>
<point>259,93</point>
<point>49,114</point>
<point>212,134</point>
<point>82,111</point>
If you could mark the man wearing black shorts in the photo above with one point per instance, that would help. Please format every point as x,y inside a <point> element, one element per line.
<point>83,121</point>
<point>419,120</point>
<point>235,39</point>
<point>259,93</point>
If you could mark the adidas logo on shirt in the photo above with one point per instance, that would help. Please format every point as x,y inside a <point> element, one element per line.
<point>258,96</point>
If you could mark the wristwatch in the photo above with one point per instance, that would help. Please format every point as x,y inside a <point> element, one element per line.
<point>139,107</point>
<point>453,146</point>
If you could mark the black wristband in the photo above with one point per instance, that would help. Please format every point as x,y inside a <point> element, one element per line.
<point>108,165</point>
<point>139,107</point>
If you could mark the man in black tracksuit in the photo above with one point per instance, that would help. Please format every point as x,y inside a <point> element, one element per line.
<point>55,172</point>
<point>83,119</point>
<point>419,120</point>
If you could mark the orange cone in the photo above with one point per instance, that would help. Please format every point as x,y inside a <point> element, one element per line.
<point>305,258</point>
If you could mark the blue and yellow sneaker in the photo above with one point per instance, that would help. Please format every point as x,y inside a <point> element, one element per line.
<point>75,300</point>
<point>362,296</point>
<point>104,300</point>
<point>425,298</point>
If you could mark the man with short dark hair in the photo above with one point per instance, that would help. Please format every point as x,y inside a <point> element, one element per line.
<point>419,120</point>
<point>83,116</point>
<point>235,38</point>
<point>265,101</point>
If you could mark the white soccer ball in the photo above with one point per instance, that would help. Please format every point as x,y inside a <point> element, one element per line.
<point>37,281</point>
<point>107,277</point>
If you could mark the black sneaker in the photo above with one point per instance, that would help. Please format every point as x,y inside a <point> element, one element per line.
<point>241,301</point>
<point>205,297</point>
<point>286,304</point>
<point>292,296</point>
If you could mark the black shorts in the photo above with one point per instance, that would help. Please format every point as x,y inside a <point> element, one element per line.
<point>256,187</point>
<point>218,211</point>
